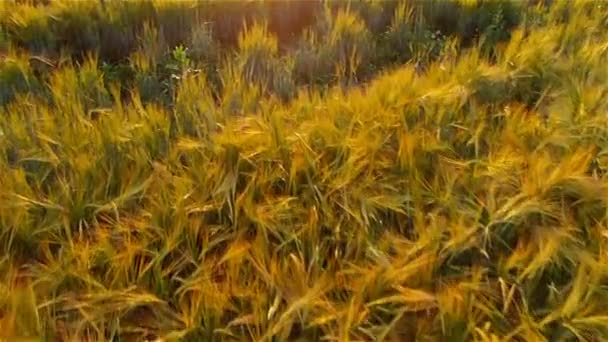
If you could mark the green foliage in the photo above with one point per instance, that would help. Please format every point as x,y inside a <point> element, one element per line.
<point>340,47</point>
<point>3,40</point>
<point>257,51</point>
<point>76,26</point>
<point>203,47</point>
<point>349,43</point>
<point>409,38</point>
<point>16,76</point>
<point>312,63</point>
<point>259,64</point>
<point>28,26</point>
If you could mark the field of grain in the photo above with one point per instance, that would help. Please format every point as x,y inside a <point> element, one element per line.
<point>303,170</point>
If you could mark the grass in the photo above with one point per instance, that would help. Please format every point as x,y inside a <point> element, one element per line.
<point>447,189</point>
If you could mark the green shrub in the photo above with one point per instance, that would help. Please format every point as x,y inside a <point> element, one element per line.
<point>411,38</point>
<point>312,64</point>
<point>257,50</point>
<point>4,42</point>
<point>195,110</point>
<point>259,62</point>
<point>338,48</point>
<point>16,77</point>
<point>29,26</point>
<point>76,27</point>
<point>237,96</point>
<point>492,22</point>
<point>77,90</point>
<point>204,51</point>
<point>176,19</point>
<point>397,43</point>
<point>376,14</point>
<point>147,64</point>
<point>350,44</point>
<point>91,84</point>
<point>203,48</point>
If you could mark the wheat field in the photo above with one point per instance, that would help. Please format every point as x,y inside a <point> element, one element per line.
<point>386,171</point>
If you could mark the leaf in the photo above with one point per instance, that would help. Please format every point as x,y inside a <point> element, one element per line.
<point>243,320</point>
<point>579,288</point>
<point>591,321</point>
<point>186,144</point>
<point>236,250</point>
<point>118,201</point>
<point>414,299</point>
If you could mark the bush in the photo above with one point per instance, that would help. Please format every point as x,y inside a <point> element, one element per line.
<point>257,50</point>
<point>259,63</point>
<point>237,96</point>
<point>4,42</point>
<point>16,77</point>
<point>312,64</point>
<point>78,90</point>
<point>202,46</point>
<point>338,48</point>
<point>398,42</point>
<point>351,45</point>
<point>29,27</point>
<point>195,109</point>
<point>76,27</point>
